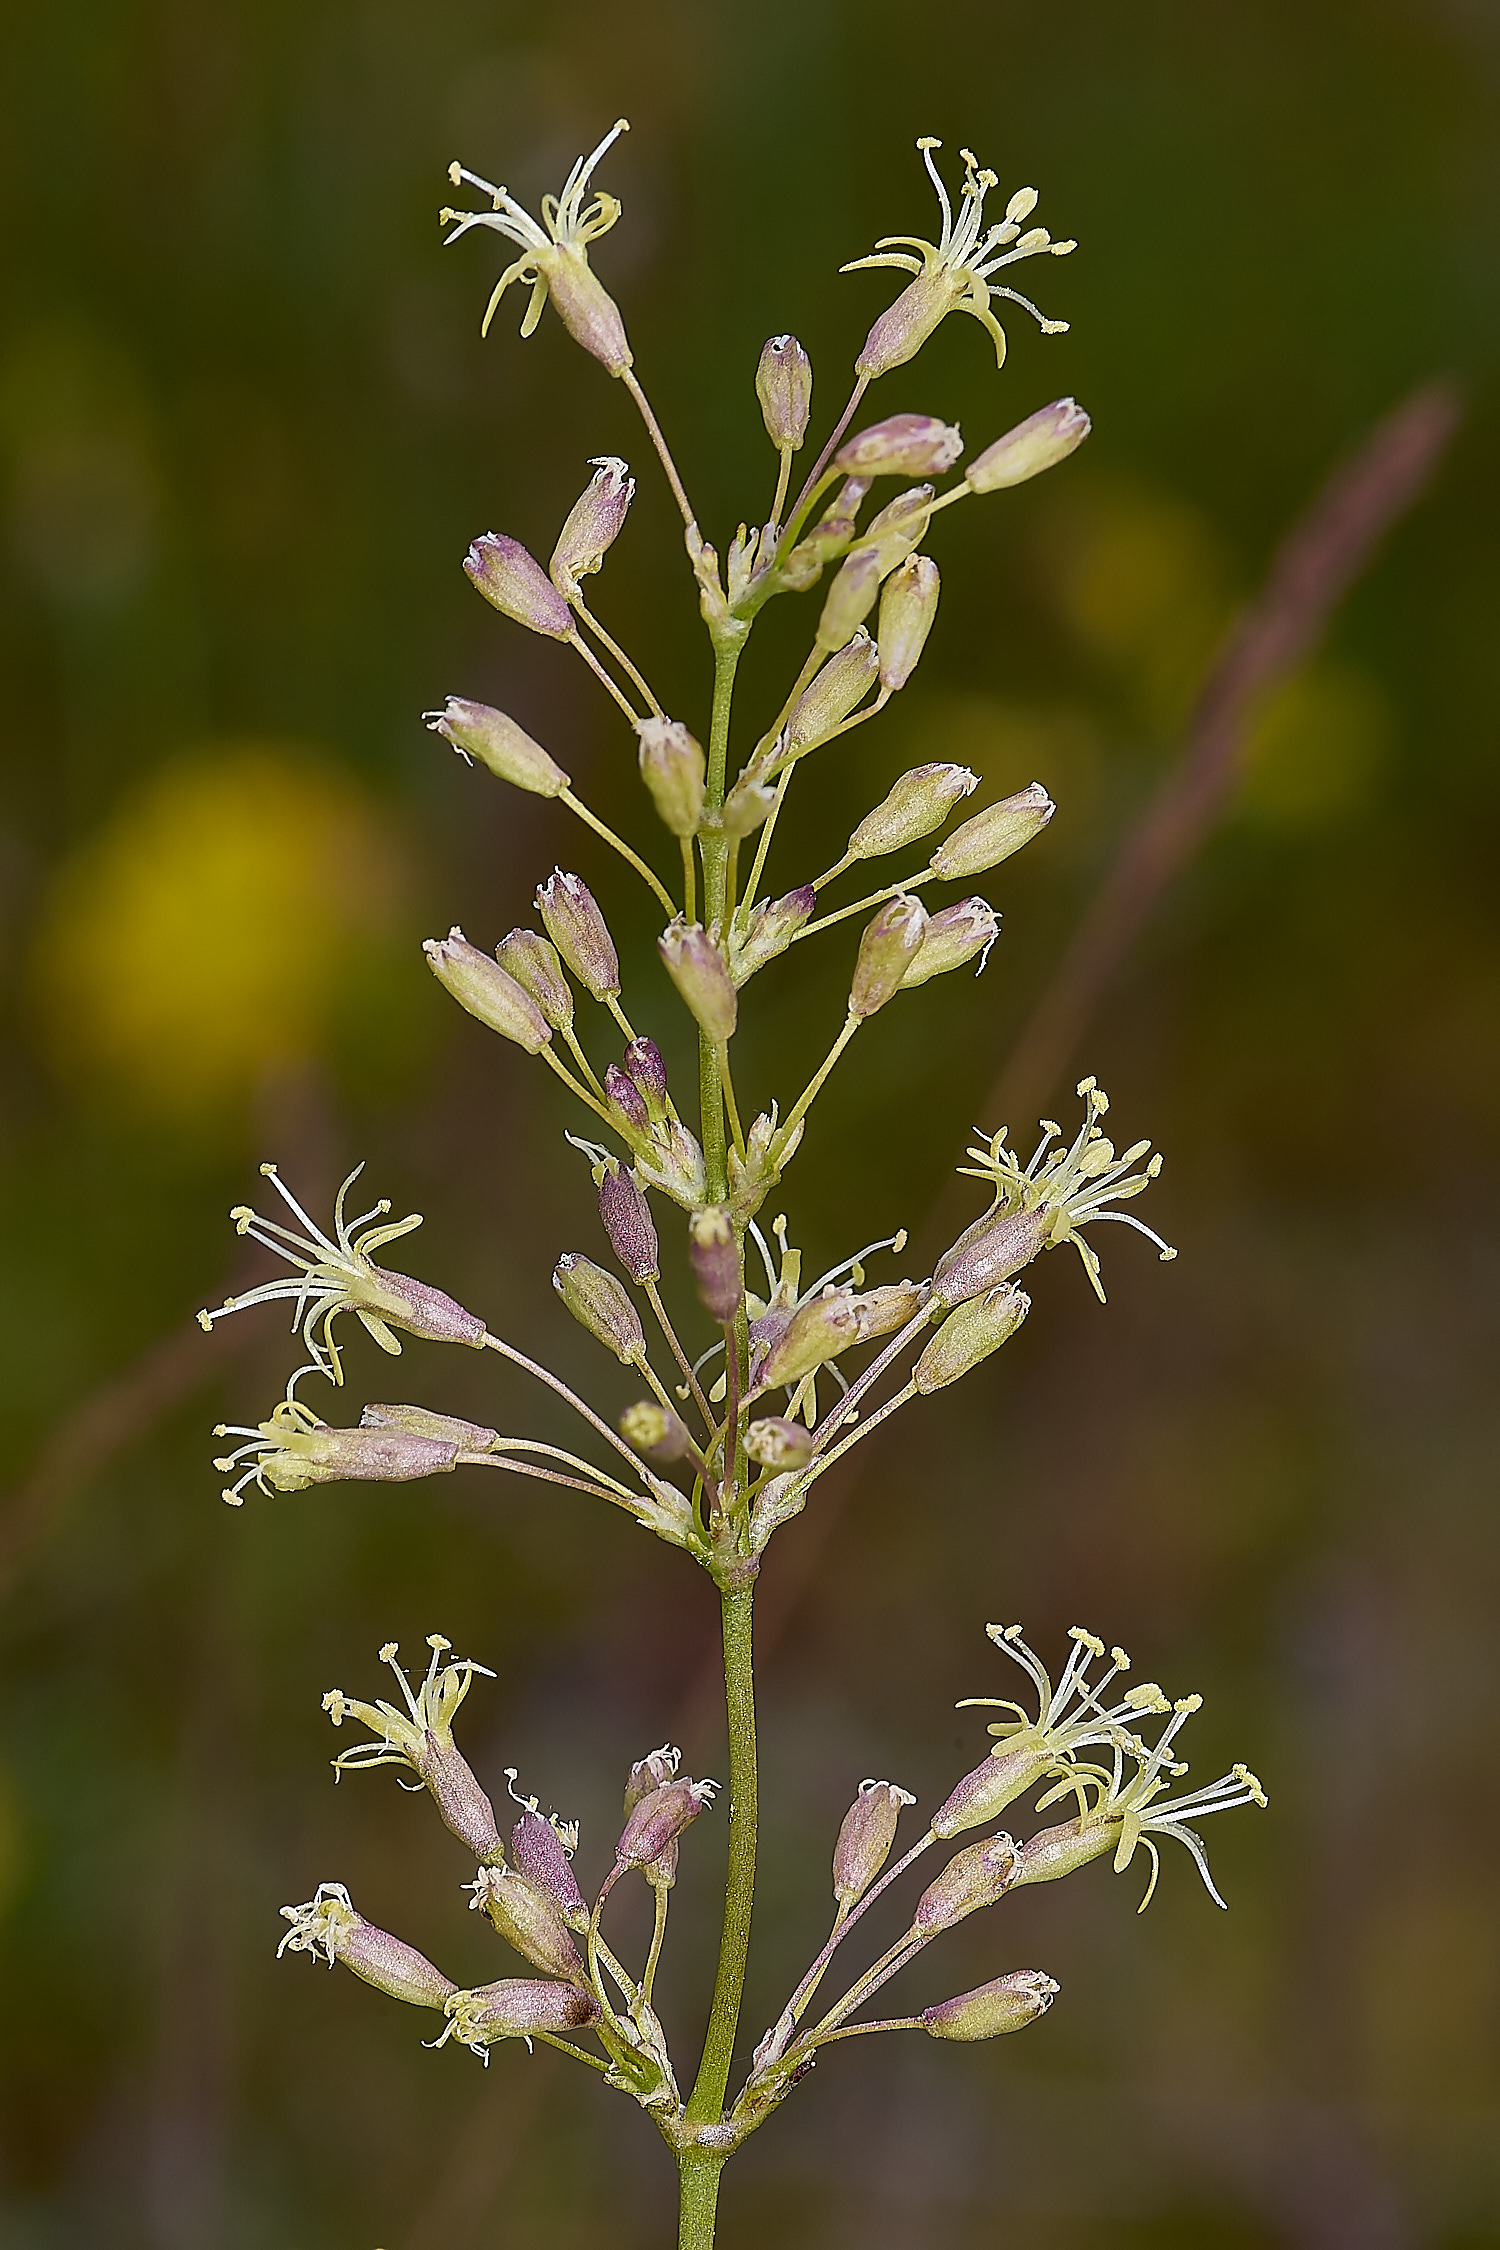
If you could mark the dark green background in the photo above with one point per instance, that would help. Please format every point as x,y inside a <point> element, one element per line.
<point>248,428</point>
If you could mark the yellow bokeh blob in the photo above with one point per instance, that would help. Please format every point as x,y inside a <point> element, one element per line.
<point>197,943</point>
<point>1318,746</point>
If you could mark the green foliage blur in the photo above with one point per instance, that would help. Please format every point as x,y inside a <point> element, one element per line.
<point>247,427</point>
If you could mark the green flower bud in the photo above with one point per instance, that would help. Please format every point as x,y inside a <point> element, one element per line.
<point>576,927</point>
<point>697,968</point>
<point>779,1444</point>
<point>673,767</point>
<point>672,1161</point>
<point>904,445</point>
<point>595,521</point>
<point>655,1432</point>
<point>828,538</point>
<point>483,987</point>
<point>535,966</point>
<point>770,929</point>
<point>973,1878</point>
<point>900,525</point>
<point>992,835</point>
<point>865,1839</point>
<point>783,384</point>
<point>598,1303</point>
<point>746,808</point>
<point>477,731</point>
<point>514,582</point>
<point>908,611</point>
<point>528,1918</point>
<point>885,951</point>
<point>446,1429</point>
<point>880,1312</point>
<point>851,597</point>
<point>969,1334</point>
<point>1055,1852</point>
<point>714,1255</point>
<point>1002,1777</point>
<point>817,1331</point>
<point>1008,2003</point>
<point>1038,443</point>
<point>832,695</point>
<point>919,802</point>
<point>953,937</point>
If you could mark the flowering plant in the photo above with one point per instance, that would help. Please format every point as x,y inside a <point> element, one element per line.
<point>727,1441</point>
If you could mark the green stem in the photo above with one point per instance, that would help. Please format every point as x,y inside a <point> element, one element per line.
<point>617,843</point>
<point>715,854</point>
<point>706,2101</point>
<point>699,2200</point>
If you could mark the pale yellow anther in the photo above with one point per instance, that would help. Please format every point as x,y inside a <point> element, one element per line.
<point>1088,1640</point>
<point>1021,204</point>
<point>1248,1780</point>
<point>388,1651</point>
<point>929,140</point>
<point>436,1640</point>
<point>1119,1659</point>
<point>1188,1703</point>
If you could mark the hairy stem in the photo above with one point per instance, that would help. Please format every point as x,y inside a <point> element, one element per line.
<point>699,2202</point>
<point>706,2101</point>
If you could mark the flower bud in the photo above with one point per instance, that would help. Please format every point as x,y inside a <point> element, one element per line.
<point>770,929</point>
<point>783,384</point>
<point>516,584</point>
<point>879,1312</point>
<point>992,835</point>
<point>644,1063</point>
<point>767,1154</point>
<point>654,1431</point>
<point>817,1331</point>
<point>833,694</point>
<point>535,966</point>
<point>851,597</point>
<point>919,802</point>
<point>538,1853</point>
<point>576,927</point>
<point>1038,443</point>
<point>624,1096</point>
<point>483,987</point>
<point>588,311</point>
<point>673,767</point>
<point>696,967</point>
<point>650,1772</point>
<point>293,1456</point>
<point>529,1918</point>
<point>904,327</point>
<point>908,611</point>
<point>866,1838</point>
<point>627,1222</point>
<point>445,1429</point>
<point>599,1303</point>
<point>996,1246</point>
<point>595,521</point>
<point>1008,2003</point>
<point>329,1924</point>
<point>1055,1852</point>
<point>968,1335</point>
<point>517,2008</point>
<point>974,1877</point>
<point>901,525</point>
<point>995,1783</point>
<point>904,445</point>
<point>659,1819</point>
<point>885,952</point>
<point>746,808</point>
<point>672,1161</point>
<point>779,1444</point>
<point>476,731</point>
<point>828,538</point>
<point>952,938</point>
<point>714,1256</point>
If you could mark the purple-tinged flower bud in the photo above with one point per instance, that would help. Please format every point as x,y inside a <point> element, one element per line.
<point>447,1429</point>
<point>329,1924</point>
<point>672,767</point>
<point>477,731</point>
<point>424,1742</point>
<point>904,327</point>
<point>537,970</point>
<point>1008,2003</point>
<point>783,384</point>
<point>697,968</point>
<point>904,445</point>
<point>885,953</point>
<point>651,1772</point>
<point>746,808</point>
<point>851,597</point>
<point>831,697</point>
<point>655,1431</point>
<point>908,611</point>
<point>992,835</point>
<point>1055,1852</point>
<point>974,1877</point>
<point>479,984</point>
<point>714,1256</point>
<point>538,1853</point>
<point>994,1248</point>
<point>969,1334</point>
<point>866,1838</point>
<point>627,1222</point>
<point>517,2008</point>
<point>659,1819</point>
<point>919,802</point>
<point>572,920</point>
<point>901,525</point>
<point>880,1312</point>
<point>1038,443</point>
<point>673,1162</point>
<point>779,1444</point>
<point>623,1095</point>
<point>769,930</point>
<point>995,1783</point>
<point>599,1303</point>
<point>529,1918</point>
<point>595,521</point>
<point>952,938</point>
<point>644,1063</point>
<point>817,1331</point>
<point>292,1452</point>
<point>515,583</point>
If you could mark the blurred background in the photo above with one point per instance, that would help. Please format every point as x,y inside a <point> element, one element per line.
<point>247,427</point>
